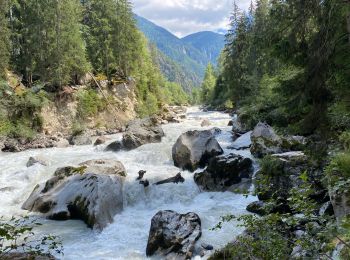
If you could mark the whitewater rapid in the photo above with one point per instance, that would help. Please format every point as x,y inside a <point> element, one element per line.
<point>127,237</point>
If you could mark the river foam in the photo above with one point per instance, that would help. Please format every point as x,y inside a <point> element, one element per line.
<point>126,238</point>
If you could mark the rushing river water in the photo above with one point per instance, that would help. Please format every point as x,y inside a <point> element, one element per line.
<point>127,237</point>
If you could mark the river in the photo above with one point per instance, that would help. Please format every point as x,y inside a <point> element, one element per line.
<point>127,237</point>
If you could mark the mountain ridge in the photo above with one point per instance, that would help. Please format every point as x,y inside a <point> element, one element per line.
<point>187,55</point>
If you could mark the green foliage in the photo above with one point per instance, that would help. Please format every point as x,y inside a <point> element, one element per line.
<point>4,38</point>
<point>338,172</point>
<point>286,63</point>
<point>272,236</point>
<point>90,103</point>
<point>17,235</point>
<point>20,117</point>
<point>208,84</point>
<point>48,42</point>
<point>345,140</point>
<point>111,36</point>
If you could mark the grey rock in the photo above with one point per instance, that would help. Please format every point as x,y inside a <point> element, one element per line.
<point>173,235</point>
<point>207,246</point>
<point>82,139</point>
<point>224,171</point>
<point>265,141</point>
<point>114,147</point>
<point>257,207</point>
<point>142,131</point>
<point>92,192</point>
<point>36,160</point>
<point>341,203</point>
<point>194,149</point>
<point>100,140</point>
<point>141,174</point>
<point>326,209</point>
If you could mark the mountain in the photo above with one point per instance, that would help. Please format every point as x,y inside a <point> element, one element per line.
<point>208,43</point>
<point>183,60</point>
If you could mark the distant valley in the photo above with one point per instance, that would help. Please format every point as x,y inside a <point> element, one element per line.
<point>183,60</point>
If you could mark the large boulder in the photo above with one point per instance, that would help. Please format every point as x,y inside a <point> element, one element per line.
<point>265,141</point>
<point>224,171</point>
<point>194,149</point>
<point>341,203</point>
<point>142,131</point>
<point>81,139</point>
<point>280,173</point>
<point>173,235</point>
<point>91,192</point>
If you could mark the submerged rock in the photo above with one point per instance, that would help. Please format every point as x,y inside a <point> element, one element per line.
<point>193,149</point>
<point>205,123</point>
<point>173,235</point>
<point>224,171</point>
<point>142,131</point>
<point>36,160</point>
<point>91,192</point>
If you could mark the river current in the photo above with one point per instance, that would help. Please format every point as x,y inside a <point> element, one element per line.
<point>127,237</point>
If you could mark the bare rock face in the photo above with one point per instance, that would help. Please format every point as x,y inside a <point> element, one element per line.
<point>142,131</point>
<point>224,171</point>
<point>91,192</point>
<point>194,149</point>
<point>173,235</point>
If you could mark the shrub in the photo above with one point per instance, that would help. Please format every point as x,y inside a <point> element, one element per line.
<point>338,172</point>
<point>90,103</point>
<point>345,140</point>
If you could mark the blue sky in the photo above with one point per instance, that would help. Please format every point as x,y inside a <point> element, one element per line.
<point>183,17</point>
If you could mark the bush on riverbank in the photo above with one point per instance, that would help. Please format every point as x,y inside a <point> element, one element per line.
<point>20,112</point>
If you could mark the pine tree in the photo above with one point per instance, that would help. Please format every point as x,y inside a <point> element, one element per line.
<point>48,41</point>
<point>112,37</point>
<point>4,38</point>
<point>208,84</point>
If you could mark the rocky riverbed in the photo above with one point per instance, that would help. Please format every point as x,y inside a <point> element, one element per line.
<point>127,234</point>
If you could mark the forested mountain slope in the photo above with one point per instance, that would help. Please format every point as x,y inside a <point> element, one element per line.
<point>209,43</point>
<point>189,55</point>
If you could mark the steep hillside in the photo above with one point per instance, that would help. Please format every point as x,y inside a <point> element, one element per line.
<point>174,72</point>
<point>209,43</point>
<point>172,46</point>
<point>183,60</point>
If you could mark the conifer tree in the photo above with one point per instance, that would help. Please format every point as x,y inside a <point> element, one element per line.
<point>48,41</point>
<point>4,38</point>
<point>208,84</point>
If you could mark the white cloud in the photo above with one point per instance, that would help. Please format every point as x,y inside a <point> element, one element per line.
<point>183,17</point>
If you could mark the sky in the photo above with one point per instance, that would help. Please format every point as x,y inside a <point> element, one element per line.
<point>183,17</point>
